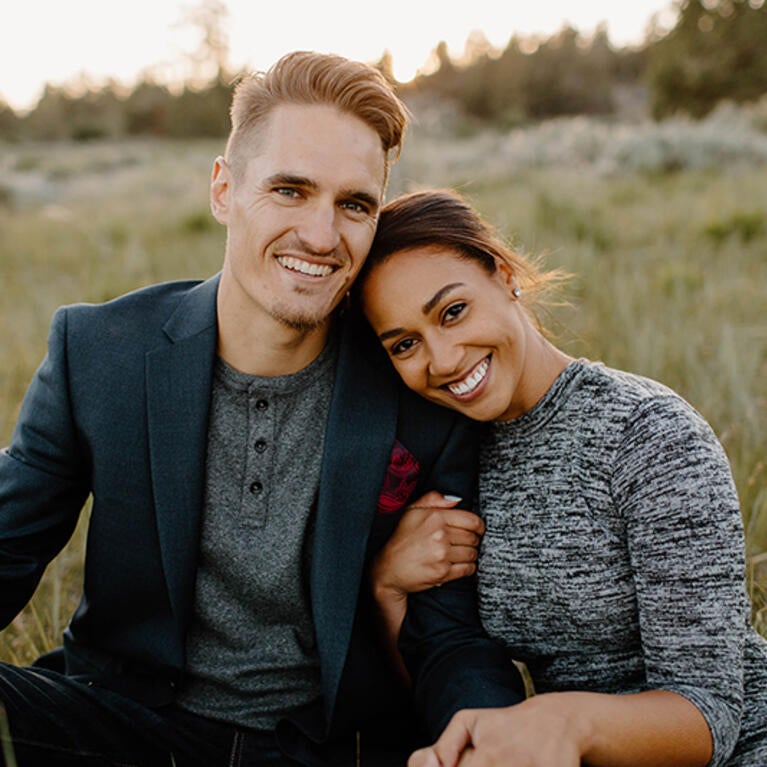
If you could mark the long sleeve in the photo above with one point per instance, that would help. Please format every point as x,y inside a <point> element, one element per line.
<point>42,482</point>
<point>672,485</point>
<point>453,663</point>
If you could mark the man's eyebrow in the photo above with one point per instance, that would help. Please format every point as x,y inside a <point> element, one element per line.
<point>370,200</point>
<point>438,296</point>
<point>289,179</point>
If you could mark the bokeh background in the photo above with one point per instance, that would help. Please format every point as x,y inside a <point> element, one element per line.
<point>630,152</point>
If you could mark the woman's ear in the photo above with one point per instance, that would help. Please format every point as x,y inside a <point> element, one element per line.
<point>220,190</point>
<point>507,276</point>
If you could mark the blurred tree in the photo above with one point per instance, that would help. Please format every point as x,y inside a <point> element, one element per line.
<point>10,123</point>
<point>716,51</point>
<point>202,112</point>
<point>146,109</point>
<point>97,114</point>
<point>210,60</point>
<point>385,65</point>
<point>529,79</point>
<point>570,76</point>
<point>444,78</point>
<point>50,120</point>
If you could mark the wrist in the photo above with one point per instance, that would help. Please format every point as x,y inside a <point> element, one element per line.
<point>384,591</point>
<point>584,717</point>
<point>578,716</point>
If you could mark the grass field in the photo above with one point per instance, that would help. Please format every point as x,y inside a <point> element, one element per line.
<point>669,257</point>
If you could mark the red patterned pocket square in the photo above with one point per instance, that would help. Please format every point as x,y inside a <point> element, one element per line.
<point>400,480</point>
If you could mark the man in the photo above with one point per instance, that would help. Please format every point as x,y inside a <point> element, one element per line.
<point>247,452</point>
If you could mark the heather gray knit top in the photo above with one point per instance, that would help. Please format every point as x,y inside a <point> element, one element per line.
<point>251,650</point>
<point>613,559</point>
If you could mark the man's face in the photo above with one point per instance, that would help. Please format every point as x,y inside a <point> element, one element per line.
<point>301,216</point>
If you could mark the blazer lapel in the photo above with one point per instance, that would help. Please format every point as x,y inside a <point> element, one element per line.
<point>178,395</point>
<point>360,433</point>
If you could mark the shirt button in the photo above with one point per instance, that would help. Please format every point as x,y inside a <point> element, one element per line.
<point>262,404</point>
<point>256,487</point>
<point>260,445</point>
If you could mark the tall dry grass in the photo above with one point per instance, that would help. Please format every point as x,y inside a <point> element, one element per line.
<point>669,261</point>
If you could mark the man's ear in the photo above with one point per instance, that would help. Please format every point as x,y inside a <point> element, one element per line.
<point>220,190</point>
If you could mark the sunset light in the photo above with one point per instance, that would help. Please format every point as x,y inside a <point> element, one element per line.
<point>90,42</point>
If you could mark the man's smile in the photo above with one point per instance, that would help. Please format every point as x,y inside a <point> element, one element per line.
<point>305,267</point>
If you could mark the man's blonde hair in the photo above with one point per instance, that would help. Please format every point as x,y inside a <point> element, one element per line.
<point>306,77</point>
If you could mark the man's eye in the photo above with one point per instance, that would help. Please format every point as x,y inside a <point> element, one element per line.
<point>287,191</point>
<point>354,207</point>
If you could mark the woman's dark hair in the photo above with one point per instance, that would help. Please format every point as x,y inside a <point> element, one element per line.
<point>442,218</point>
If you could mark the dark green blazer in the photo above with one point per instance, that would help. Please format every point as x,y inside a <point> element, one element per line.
<point>119,409</point>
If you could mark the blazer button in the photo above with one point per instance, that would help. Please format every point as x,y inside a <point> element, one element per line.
<point>256,487</point>
<point>261,404</point>
<point>260,445</point>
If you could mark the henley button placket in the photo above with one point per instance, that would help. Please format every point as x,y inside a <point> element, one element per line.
<point>258,463</point>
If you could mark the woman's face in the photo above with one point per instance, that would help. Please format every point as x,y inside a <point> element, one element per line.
<point>455,333</point>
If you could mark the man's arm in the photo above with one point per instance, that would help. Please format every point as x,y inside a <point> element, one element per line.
<point>434,543</point>
<point>42,489</point>
<point>451,661</point>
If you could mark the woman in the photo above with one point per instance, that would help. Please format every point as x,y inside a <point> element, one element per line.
<point>612,562</point>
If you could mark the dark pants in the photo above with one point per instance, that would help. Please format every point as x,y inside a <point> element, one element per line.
<point>56,721</point>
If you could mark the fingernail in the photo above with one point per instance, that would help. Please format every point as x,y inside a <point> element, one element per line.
<point>451,497</point>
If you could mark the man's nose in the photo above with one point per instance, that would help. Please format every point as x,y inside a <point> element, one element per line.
<point>318,230</point>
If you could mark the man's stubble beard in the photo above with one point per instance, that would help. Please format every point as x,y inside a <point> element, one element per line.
<point>301,321</point>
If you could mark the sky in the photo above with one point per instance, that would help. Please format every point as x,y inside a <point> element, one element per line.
<point>93,40</point>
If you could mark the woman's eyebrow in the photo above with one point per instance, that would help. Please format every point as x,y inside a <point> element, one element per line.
<point>390,334</point>
<point>437,297</point>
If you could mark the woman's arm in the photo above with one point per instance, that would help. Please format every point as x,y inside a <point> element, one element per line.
<point>673,488</point>
<point>570,728</point>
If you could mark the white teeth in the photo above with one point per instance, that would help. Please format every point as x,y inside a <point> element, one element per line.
<point>304,267</point>
<point>471,381</point>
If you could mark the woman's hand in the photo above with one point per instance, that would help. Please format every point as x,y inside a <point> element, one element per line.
<point>525,735</point>
<point>560,729</point>
<point>434,543</point>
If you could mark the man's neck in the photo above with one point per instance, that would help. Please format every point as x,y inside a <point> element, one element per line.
<point>268,348</point>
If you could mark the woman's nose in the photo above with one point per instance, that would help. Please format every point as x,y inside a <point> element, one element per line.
<point>444,357</point>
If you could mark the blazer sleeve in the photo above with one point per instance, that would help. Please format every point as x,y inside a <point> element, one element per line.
<point>452,662</point>
<point>43,483</point>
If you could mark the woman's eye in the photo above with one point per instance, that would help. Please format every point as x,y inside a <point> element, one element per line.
<point>454,310</point>
<point>402,346</point>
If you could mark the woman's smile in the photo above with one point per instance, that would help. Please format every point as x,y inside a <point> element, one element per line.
<point>471,385</point>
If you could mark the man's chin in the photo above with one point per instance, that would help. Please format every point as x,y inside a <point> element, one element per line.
<point>305,323</point>
<point>306,318</point>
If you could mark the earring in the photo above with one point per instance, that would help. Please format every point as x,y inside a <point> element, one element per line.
<point>516,292</point>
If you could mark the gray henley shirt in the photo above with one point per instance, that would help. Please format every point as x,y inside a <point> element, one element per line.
<point>251,651</point>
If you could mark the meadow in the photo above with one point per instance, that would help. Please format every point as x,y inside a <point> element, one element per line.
<point>663,228</point>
